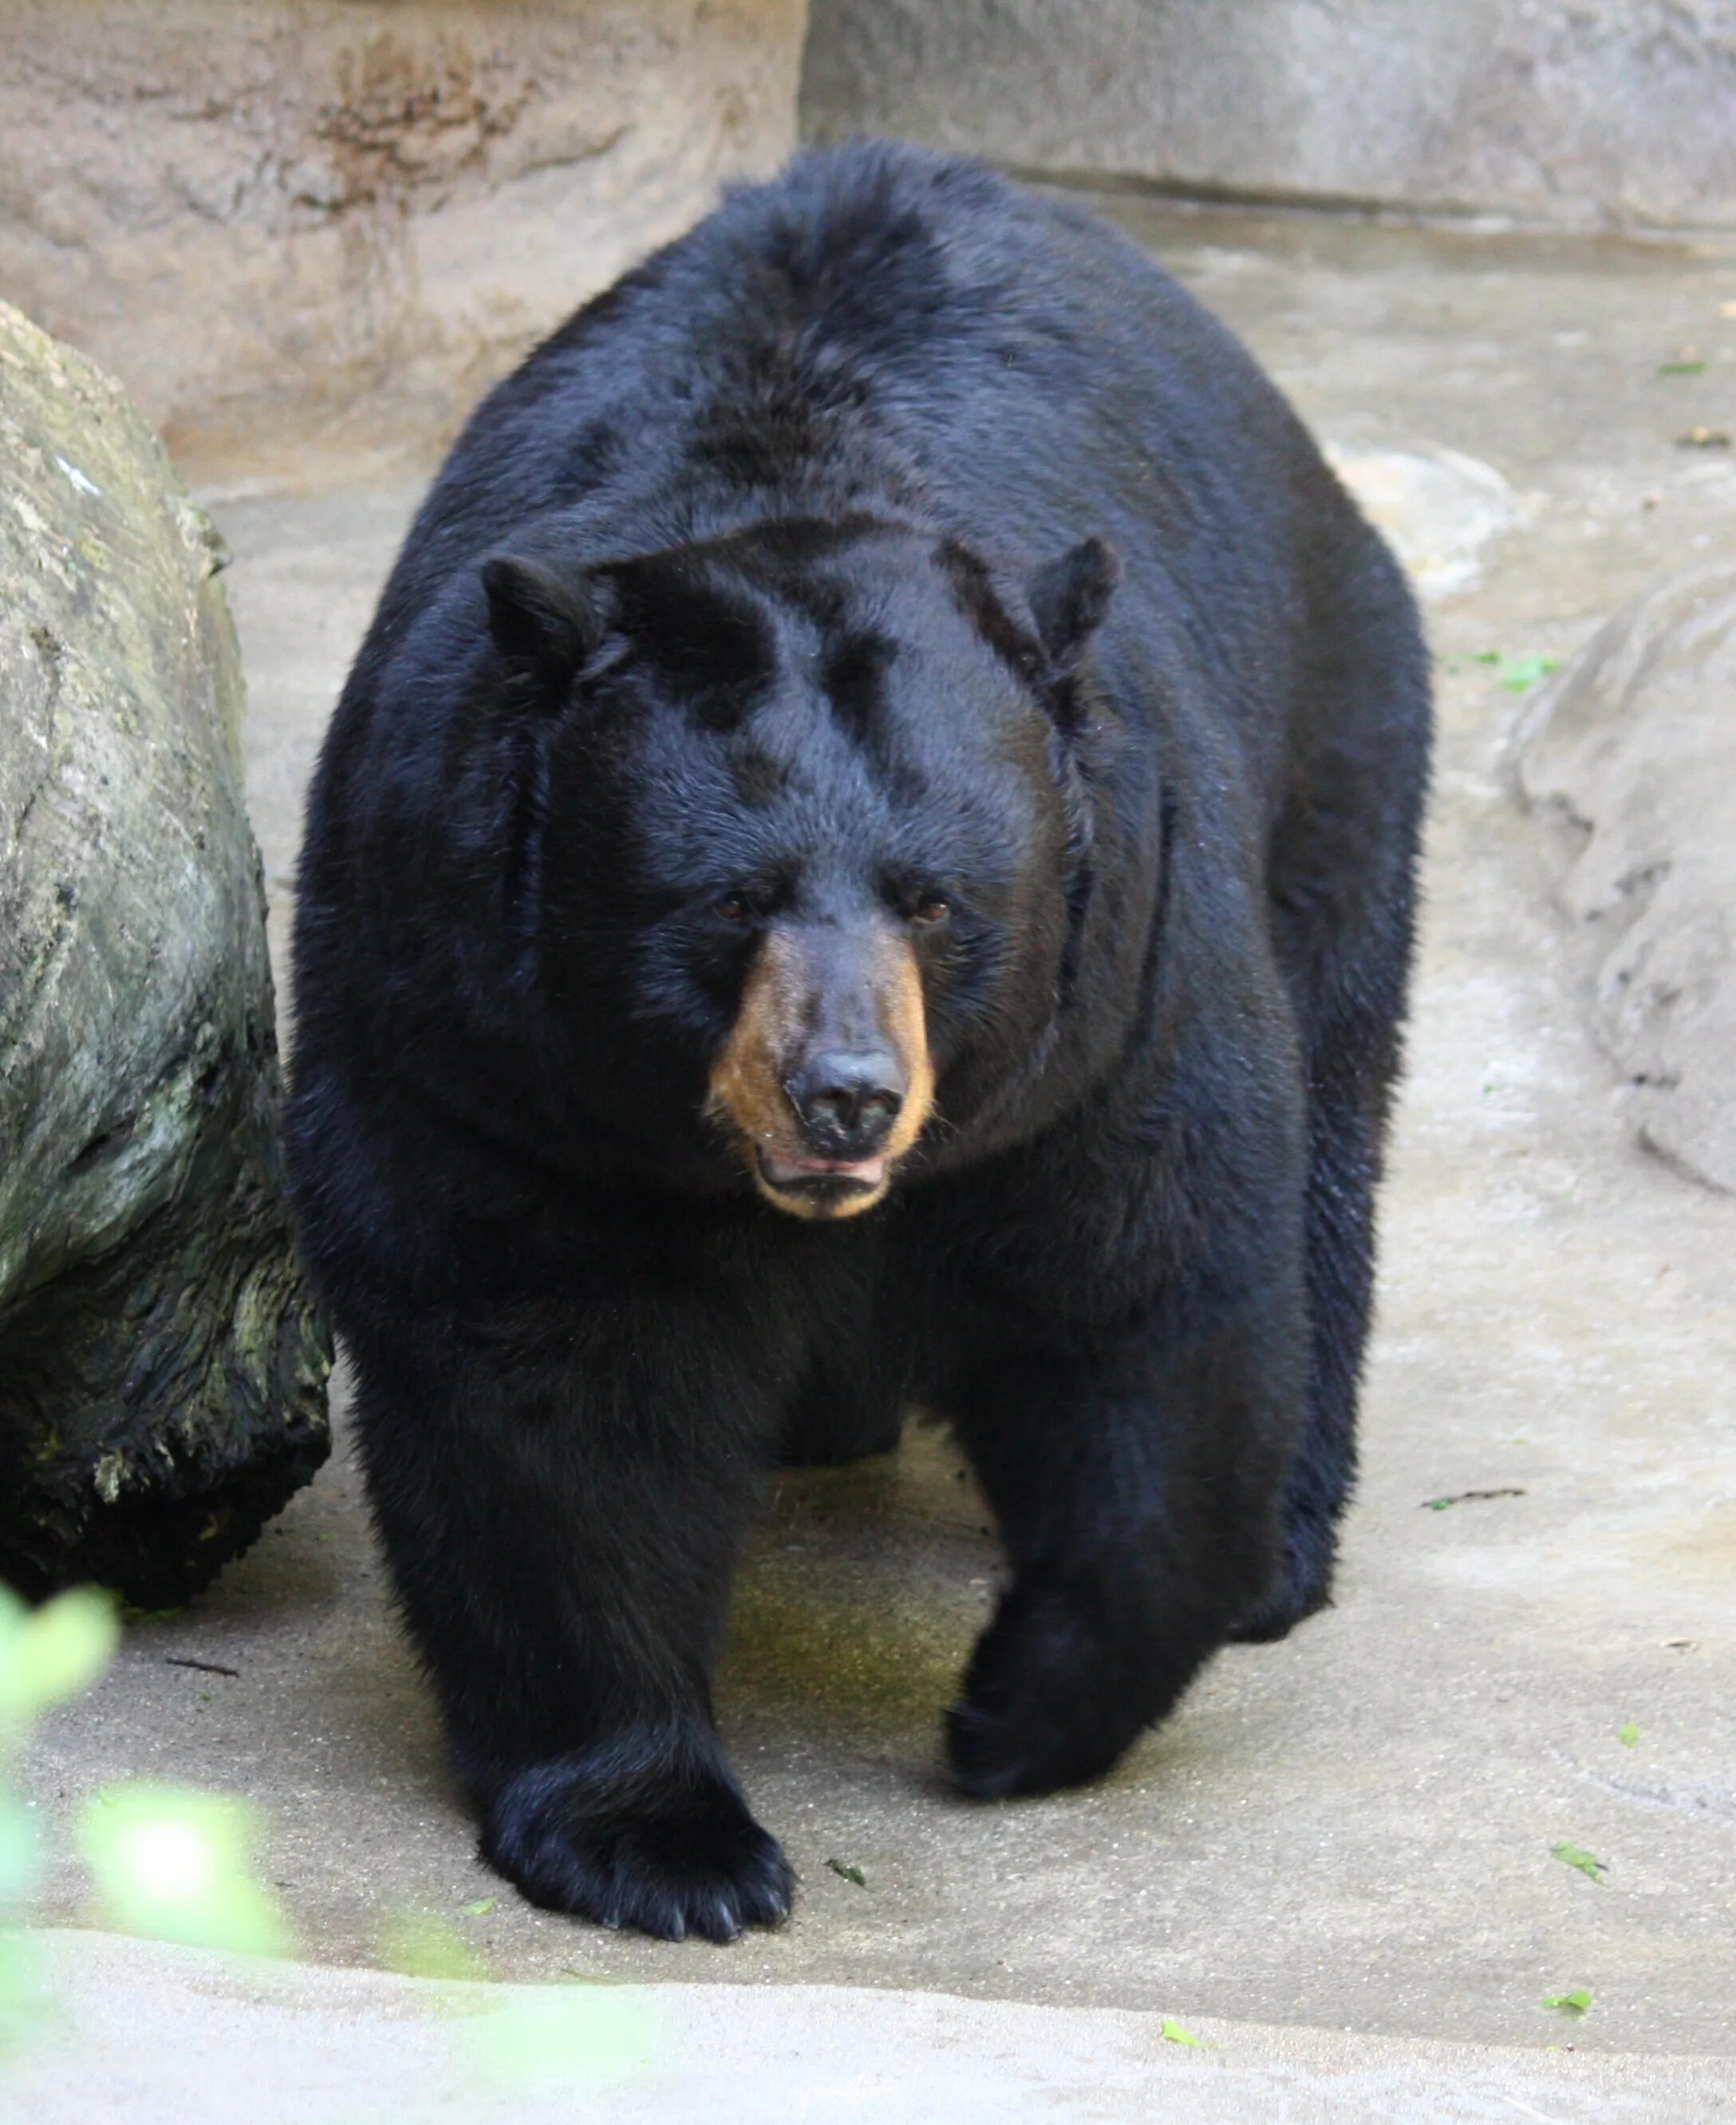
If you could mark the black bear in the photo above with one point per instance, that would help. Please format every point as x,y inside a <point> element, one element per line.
<point>867,856</point>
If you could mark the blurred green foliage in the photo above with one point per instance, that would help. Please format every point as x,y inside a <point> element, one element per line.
<point>563,2035</point>
<point>46,1655</point>
<point>163,1860</point>
<point>179,1864</point>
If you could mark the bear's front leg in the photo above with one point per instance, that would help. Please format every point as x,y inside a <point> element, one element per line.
<point>561,1517</point>
<point>1138,1486</point>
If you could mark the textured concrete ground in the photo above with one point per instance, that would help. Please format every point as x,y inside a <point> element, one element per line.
<point>1350,1831</point>
<point>159,2036</point>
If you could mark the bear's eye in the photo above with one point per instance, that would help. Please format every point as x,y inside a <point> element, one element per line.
<point>932,908</point>
<point>733,908</point>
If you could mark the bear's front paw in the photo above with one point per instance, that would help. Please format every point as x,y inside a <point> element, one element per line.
<point>638,1833</point>
<point>1046,1703</point>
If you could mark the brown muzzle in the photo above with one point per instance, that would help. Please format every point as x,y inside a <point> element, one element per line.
<point>825,1081</point>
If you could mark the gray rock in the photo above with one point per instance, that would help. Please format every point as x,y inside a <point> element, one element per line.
<point>161,1368</point>
<point>1632,748</point>
<point>1583,113</point>
<point>1440,509</point>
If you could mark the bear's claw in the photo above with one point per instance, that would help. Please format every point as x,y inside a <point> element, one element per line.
<point>661,1856</point>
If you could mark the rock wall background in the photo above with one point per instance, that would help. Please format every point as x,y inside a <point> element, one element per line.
<point>1583,113</point>
<point>342,218</point>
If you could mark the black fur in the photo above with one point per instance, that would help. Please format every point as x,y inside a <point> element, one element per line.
<point>893,533</point>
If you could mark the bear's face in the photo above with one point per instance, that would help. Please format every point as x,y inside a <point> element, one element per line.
<point>799,839</point>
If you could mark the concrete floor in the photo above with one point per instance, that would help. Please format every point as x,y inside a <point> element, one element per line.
<point>1350,1831</point>
<point>156,2035</point>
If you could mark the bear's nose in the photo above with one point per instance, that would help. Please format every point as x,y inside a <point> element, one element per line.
<point>847,1098</point>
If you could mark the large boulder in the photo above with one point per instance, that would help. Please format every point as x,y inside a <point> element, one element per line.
<point>162,1367</point>
<point>349,216</point>
<point>1586,113</point>
<point>1633,750</point>
<point>1441,511</point>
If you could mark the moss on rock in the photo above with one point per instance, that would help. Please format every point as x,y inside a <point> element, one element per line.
<point>162,1367</point>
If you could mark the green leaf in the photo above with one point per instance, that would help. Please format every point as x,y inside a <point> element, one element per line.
<point>1173,2032</point>
<point>848,1873</point>
<point>1572,1855</point>
<point>1517,674</point>
<point>177,1865</point>
<point>480,1909</point>
<point>1627,1736</point>
<point>1681,369</point>
<point>1570,2003</point>
<point>54,1652</point>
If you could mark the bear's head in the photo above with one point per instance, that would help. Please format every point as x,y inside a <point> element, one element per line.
<point>798,833</point>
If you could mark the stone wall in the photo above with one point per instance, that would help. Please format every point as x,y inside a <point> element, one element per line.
<point>1583,113</point>
<point>348,216</point>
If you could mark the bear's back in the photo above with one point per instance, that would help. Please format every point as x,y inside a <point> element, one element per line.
<point>883,325</point>
<point>886,331</point>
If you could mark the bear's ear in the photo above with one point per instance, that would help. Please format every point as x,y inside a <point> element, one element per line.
<point>544,617</point>
<point>1069,598</point>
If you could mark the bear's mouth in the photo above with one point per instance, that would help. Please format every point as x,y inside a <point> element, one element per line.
<point>821,1185</point>
<point>827,995</point>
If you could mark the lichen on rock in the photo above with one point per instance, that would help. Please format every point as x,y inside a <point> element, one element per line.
<point>163,1366</point>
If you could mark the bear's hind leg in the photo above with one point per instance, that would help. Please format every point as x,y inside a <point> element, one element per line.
<point>844,1412</point>
<point>1344,1166</point>
<point>1138,1492</point>
<point>1350,1009</point>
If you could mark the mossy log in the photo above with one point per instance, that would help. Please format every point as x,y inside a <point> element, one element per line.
<point>163,1367</point>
